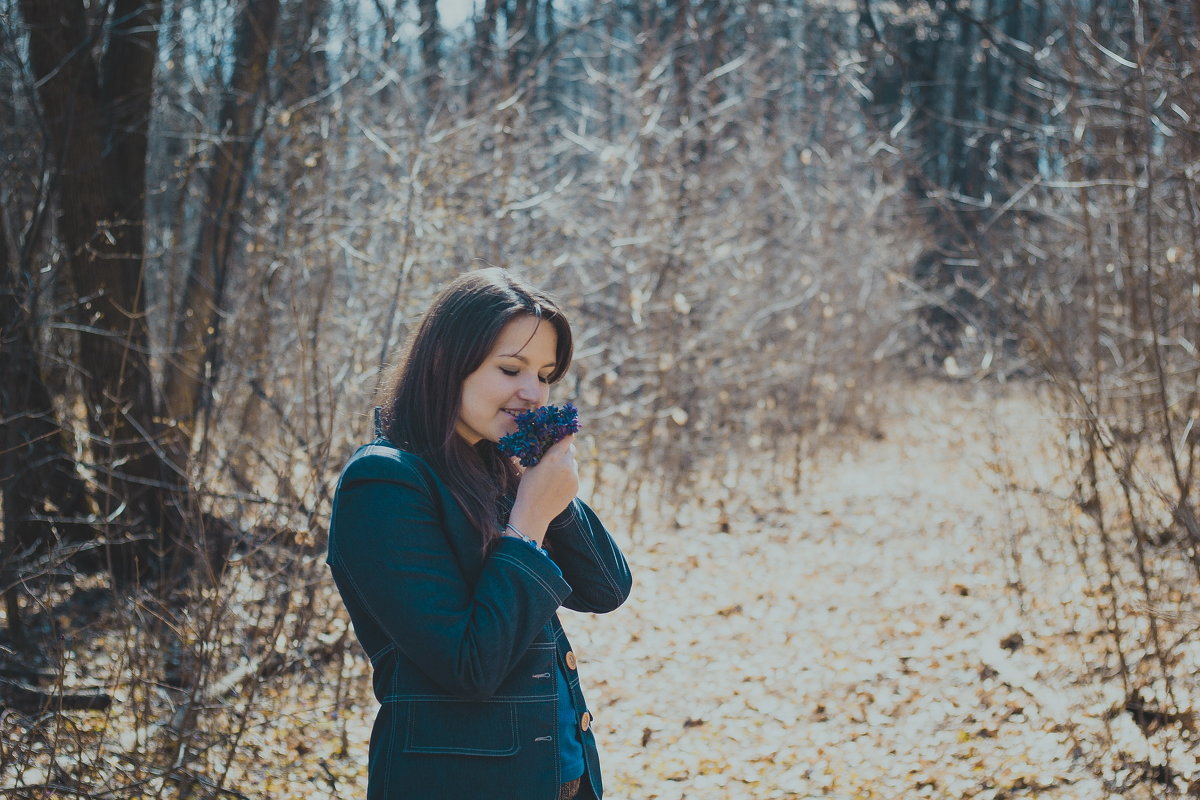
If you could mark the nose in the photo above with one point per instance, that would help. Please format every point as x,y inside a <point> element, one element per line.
<point>533,391</point>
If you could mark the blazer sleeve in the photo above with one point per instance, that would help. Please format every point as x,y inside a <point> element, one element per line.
<point>590,560</point>
<point>389,542</point>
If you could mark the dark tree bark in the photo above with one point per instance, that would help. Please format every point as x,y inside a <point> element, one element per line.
<point>431,50</point>
<point>715,52</point>
<point>96,119</point>
<point>302,63</point>
<point>962,171</point>
<point>555,84</point>
<point>34,463</point>
<point>961,86</point>
<point>195,364</point>
<point>483,52</point>
<point>389,15</point>
<point>300,69</point>
<point>520,19</point>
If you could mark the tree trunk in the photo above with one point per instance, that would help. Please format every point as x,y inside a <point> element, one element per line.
<point>483,53</point>
<point>96,123</point>
<point>519,44</point>
<point>304,68</point>
<point>682,64</point>
<point>431,51</point>
<point>555,67</point>
<point>194,368</point>
<point>34,461</point>
<point>389,16</point>
<point>718,20</point>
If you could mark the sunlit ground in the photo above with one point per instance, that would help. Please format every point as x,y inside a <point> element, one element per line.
<point>861,635</point>
<point>858,638</point>
<point>897,625</point>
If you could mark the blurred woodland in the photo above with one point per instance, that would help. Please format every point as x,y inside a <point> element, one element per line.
<point>218,219</point>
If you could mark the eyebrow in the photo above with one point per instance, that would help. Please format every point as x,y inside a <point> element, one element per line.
<point>525,360</point>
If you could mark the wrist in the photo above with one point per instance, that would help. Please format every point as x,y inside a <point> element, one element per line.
<point>529,524</point>
<point>513,532</point>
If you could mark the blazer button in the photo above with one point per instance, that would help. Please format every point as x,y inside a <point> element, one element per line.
<point>585,721</point>
<point>570,659</point>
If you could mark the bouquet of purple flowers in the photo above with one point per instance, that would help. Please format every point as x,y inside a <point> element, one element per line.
<point>537,430</point>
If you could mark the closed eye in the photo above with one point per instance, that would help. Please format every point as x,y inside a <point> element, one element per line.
<point>512,373</point>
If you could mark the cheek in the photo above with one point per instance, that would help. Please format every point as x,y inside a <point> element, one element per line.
<point>475,396</point>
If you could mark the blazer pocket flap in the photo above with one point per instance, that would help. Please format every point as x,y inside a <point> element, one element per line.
<point>533,676</point>
<point>457,728</point>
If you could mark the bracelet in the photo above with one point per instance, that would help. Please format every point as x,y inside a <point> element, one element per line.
<point>526,539</point>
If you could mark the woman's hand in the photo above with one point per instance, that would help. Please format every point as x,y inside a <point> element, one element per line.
<point>546,489</point>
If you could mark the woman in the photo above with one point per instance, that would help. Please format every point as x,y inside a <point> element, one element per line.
<point>453,562</point>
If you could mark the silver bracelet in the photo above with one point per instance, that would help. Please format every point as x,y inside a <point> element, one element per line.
<point>528,540</point>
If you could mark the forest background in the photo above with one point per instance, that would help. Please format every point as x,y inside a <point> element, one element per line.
<point>218,219</point>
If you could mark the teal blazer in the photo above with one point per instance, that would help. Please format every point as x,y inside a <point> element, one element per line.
<point>463,643</point>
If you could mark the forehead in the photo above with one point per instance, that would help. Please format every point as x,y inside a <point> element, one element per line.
<point>527,336</point>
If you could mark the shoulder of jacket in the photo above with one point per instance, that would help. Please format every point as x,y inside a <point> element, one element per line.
<point>380,460</point>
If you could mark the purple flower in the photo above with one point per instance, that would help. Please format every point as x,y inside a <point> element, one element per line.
<point>537,430</point>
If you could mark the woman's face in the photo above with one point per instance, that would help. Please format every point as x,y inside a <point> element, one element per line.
<point>511,379</point>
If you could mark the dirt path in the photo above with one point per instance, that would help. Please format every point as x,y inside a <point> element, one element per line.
<point>856,640</point>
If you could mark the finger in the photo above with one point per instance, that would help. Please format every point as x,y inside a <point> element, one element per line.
<point>562,446</point>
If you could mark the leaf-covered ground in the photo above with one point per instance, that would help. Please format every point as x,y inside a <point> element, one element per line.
<point>906,621</point>
<point>862,636</point>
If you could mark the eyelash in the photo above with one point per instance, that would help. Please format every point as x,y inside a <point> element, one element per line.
<point>512,373</point>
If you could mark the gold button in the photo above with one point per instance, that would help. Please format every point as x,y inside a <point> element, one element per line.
<point>570,659</point>
<point>585,721</point>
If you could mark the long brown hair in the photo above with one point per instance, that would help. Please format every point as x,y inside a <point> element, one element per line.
<point>421,401</point>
